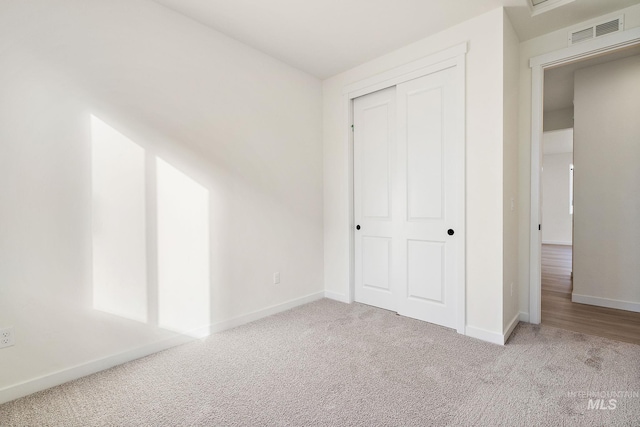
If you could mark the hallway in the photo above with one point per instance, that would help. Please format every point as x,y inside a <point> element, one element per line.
<point>560,312</point>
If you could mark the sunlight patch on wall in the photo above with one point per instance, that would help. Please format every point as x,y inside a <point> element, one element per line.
<point>183,252</point>
<point>118,223</point>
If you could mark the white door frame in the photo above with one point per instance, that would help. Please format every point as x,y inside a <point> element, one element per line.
<point>538,65</point>
<point>453,57</point>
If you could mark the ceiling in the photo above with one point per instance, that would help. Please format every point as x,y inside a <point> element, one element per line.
<point>567,15</point>
<point>558,82</point>
<point>326,37</point>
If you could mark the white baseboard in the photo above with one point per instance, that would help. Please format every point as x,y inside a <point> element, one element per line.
<point>557,242</point>
<point>523,317</point>
<point>53,379</point>
<point>512,325</point>
<point>605,302</point>
<point>484,335</point>
<point>336,296</point>
<point>268,311</point>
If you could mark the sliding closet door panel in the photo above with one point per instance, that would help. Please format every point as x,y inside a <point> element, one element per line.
<point>374,176</point>
<point>427,171</point>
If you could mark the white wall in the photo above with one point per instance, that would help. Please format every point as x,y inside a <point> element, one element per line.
<point>484,164</point>
<point>547,43</point>
<point>556,220</point>
<point>558,119</point>
<point>607,184</point>
<point>209,124</point>
<point>510,180</point>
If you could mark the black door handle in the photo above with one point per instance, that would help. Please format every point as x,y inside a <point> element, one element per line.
<point>357,227</point>
<point>450,232</point>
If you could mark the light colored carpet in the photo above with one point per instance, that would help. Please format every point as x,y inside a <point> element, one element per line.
<point>334,364</point>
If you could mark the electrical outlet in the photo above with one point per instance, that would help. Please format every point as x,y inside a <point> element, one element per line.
<point>6,337</point>
<point>276,278</point>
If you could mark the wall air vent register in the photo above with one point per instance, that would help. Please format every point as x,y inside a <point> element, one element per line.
<point>598,30</point>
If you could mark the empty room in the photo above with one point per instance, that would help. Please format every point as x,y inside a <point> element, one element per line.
<point>319,213</point>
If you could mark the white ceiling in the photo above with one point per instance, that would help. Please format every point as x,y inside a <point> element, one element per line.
<point>567,15</point>
<point>326,37</point>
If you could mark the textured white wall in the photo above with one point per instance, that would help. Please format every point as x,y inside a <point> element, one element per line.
<point>540,45</point>
<point>607,181</point>
<point>556,219</point>
<point>484,163</point>
<point>240,129</point>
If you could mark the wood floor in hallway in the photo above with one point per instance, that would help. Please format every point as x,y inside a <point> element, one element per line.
<point>560,312</point>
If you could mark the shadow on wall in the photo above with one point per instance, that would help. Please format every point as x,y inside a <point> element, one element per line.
<point>150,236</point>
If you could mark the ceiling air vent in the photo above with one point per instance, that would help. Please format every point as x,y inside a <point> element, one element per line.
<point>597,30</point>
<point>536,7</point>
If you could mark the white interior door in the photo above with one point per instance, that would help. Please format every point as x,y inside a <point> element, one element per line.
<point>429,173</point>
<point>374,179</point>
<point>408,171</point>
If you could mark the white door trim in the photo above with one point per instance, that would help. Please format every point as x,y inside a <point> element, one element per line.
<point>538,64</point>
<point>453,57</point>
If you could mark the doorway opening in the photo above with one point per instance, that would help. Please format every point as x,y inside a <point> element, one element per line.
<point>565,131</point>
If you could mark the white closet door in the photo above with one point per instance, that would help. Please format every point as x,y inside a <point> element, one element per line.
<point>429,170</point>
<point>374,181</point>
<point>408,172</point>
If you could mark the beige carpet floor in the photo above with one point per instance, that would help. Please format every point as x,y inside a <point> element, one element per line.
<point>333,364</point>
